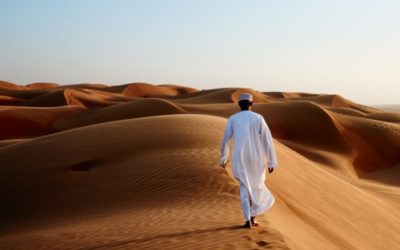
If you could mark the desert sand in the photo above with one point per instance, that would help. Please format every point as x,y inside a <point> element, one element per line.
<point>390,108</point>
<point>135,166</point>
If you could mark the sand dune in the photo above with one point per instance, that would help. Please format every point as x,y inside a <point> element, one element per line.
<point>136,108</point>
<point>389,108</point>
<point>43,85</point>
<point>135,167</point>
<point>9,100</point>
<point>324,211</point>
<point>375,144</point>
<point>23,94</point>
<point>392,117</point>
<point>10,85</point>
<point>288,94</point>
<point>22,122</point>
<point>51,98</point>
<point>150,90</point>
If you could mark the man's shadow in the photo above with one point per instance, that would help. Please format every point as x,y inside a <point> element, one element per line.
<point>162,236</point>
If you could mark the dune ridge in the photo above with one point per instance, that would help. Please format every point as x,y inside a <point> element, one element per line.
<point>135,166</point>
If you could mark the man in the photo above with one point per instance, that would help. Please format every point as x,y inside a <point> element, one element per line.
<point>252,143</point>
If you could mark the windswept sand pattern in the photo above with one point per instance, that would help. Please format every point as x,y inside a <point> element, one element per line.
<point>135,166</point>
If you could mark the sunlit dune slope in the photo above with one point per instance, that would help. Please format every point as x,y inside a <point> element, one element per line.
<point>150,90</point>
<point>43,85</point>
<point>133,109</point>
<point>321,210</point>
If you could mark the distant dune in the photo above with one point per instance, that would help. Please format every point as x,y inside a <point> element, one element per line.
<point>135,166</point>
<point>389,108</point>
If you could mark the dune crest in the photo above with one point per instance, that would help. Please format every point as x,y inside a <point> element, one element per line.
<point>150,90</point>
<point>43,85</point>
<point>10,85</point>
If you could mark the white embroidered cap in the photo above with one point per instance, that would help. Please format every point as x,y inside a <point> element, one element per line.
<point>246,96</point>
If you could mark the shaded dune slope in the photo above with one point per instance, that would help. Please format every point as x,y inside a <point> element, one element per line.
<point>22,122</point>
<point>305,123</point>
<point>24,94</point>
<point>87,168</point>
<point>375,144</point>
<point>334,101</point>
<point>9,100</point>
<point>89,98</point>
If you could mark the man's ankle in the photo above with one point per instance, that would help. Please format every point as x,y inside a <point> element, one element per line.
<point>248,224</point>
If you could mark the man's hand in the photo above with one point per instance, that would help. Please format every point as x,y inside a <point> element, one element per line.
<point>270,170</point>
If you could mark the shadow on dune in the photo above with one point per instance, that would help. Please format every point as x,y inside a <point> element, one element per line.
<point>192,233</point>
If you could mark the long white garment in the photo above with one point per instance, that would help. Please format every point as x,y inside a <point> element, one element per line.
<point>253,149</point>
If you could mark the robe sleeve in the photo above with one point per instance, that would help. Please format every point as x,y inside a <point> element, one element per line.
<point>268,144</point>
<point>225,143</point>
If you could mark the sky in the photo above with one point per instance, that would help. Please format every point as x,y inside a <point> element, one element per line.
<point>345,47</point>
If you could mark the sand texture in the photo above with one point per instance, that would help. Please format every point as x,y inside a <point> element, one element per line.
<point>135,166</point>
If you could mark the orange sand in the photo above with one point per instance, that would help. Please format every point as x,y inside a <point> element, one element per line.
<point>136,167</point>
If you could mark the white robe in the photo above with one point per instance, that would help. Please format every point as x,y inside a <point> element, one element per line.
<point>253,150</point>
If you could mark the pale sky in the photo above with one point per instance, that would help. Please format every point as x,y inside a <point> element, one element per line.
<point>346,47</point>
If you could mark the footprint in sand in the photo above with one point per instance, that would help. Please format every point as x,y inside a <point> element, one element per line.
<point>247,238</point>
<point>262,243</point>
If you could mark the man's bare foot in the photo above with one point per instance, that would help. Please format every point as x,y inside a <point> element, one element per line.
<point>247,225</point>
<point>254,223</point>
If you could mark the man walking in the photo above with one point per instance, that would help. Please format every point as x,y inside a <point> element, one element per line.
<point>252,146</point>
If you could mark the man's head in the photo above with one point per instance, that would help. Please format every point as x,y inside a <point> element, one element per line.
<point>245,101</point>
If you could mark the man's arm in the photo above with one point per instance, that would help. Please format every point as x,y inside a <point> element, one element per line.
<point>268,144</point>
<point>225,144</point>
